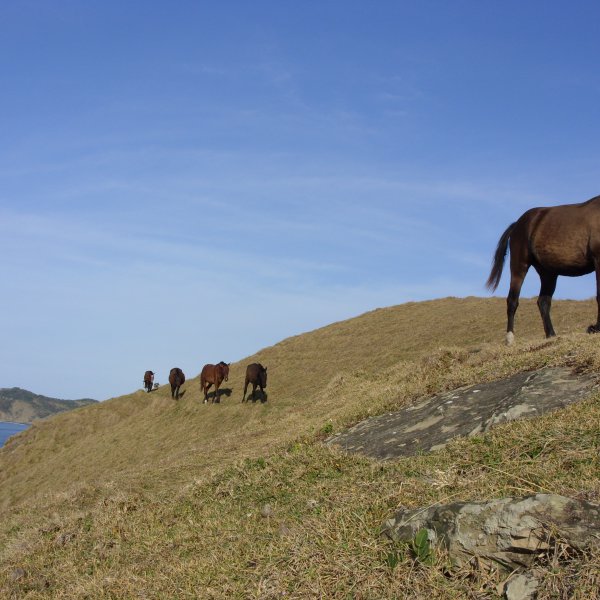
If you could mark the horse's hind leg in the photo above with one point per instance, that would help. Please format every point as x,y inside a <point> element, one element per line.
<point>206,388</point>
<point>512,301</point>
<point>544,301</point>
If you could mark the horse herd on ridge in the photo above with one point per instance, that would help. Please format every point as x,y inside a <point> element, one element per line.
<point>555,240</point>
<point>256,375</point>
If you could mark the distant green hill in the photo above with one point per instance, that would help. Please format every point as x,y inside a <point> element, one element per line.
<point>23,406</point>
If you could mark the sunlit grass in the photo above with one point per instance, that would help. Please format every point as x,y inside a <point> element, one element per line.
<point>146,497</point>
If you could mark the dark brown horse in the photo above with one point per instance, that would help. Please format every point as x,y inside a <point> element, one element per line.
<point>176,379</point>
<point>558,240</point>
<point>213,374</point>
<point>256,374</point>
<point>148,380</point>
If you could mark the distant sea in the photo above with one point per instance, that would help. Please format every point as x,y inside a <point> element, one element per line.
<point>7,429</point>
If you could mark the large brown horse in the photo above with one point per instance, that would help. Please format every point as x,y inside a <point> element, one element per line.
<point>213,374</point>
<point>176,379</point>
<point>558,240</point>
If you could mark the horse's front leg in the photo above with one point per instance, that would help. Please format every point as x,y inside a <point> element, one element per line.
<point>596,328</point>
<point>544,301</point>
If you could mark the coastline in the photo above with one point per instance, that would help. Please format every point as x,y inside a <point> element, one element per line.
<point>10,428</point>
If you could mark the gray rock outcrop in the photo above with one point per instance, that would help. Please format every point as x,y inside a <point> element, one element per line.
<point>506,533</point>
<point>432,423</point>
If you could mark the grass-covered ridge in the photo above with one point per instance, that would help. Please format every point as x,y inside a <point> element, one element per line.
<point>143,497</point>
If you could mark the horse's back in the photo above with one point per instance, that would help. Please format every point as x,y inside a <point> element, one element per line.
<point>253,370</point>
<point>561,239</point>
<point>214,373</point>
<point>176,376</point>
<point>209,374</point>
<point>256,373</point>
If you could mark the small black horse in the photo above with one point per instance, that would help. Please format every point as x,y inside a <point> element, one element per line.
<point>176,379</point>
<point>557,240</point>
<point>256,374</point>
<point>148,380</point>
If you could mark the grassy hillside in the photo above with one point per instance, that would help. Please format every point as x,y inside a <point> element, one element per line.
<point>142,496</point>
<point>23,406</point>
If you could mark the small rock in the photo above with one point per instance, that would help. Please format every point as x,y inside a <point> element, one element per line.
<point>63,538</point>
<point>521,587</point>
<point>50,529</point>
<point>17,574</point>
<point>41,583</point>
<point>266,511</point>
<point>312,503</point>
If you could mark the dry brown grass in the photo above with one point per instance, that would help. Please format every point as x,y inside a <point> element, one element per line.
<point>142,497</point>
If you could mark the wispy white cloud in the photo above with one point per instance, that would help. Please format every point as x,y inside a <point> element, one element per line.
<point>270,184</point>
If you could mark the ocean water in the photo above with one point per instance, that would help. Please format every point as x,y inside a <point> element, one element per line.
<point>7,429</point>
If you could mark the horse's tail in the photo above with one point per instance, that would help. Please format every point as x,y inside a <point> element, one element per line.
<point>498,262</point>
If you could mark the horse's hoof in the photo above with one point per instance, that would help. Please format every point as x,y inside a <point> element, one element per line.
<point>510,338</point>
<point>592,329</point>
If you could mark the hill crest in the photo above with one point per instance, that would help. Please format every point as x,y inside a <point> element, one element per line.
<point>246,495</point>
<point>22,406</point>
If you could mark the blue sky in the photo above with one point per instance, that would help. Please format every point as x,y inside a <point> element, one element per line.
<point>188,182</point>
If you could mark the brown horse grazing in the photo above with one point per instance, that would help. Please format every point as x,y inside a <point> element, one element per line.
<point>558,240</point>
<point>213,374</point>
<point>176,379</point>
<point>256,374</point>
<point>148,380</point>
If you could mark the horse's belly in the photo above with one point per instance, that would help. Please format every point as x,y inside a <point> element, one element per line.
<point>565,260</point>
<point>561,244</point>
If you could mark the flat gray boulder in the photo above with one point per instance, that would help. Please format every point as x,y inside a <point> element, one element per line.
<point>432,423</point>
<point>508,533</point>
